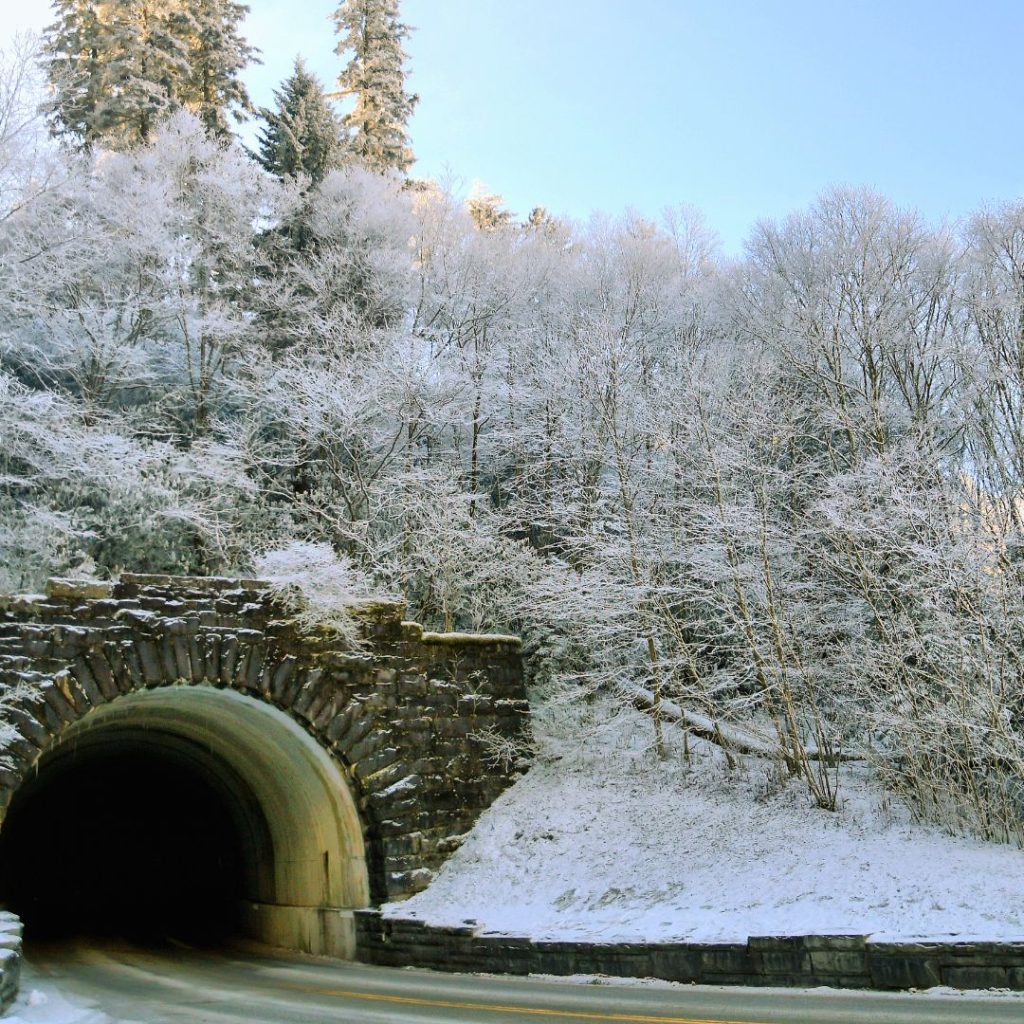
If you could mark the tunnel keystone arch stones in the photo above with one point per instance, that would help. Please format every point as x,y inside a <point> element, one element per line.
<point>350,774</point>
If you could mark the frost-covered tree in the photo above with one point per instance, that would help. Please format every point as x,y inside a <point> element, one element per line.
<point>216,197</point>
<point>75,47</point>
<point>303,135</point>
<point>91,497</point>
<point>117,69</point>
<point>487,209</point>
<point>123,287</point>
<point>993,358</point>
<point>776,502</point>
<point>217,55</point>
<point>29,167</point>
<point>371,32</point>
<point>341,263</point>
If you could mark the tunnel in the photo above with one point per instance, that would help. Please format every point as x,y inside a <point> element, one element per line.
<point>189,813</point>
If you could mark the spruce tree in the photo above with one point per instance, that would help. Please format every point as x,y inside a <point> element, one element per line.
<point>372,33</point>
<point>145,56</point>
<point>116,69</point>
<point>113,68</point>
<point>217,55</point>
<point>74,48</point>
<point>303,135</point>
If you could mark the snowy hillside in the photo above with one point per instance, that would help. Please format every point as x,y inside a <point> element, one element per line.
<point>605,845</point>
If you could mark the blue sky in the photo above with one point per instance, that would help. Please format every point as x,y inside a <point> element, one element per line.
<point>743,108</point>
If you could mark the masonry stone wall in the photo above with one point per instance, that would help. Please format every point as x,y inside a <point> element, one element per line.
<point>406,715</point>
<point>10,959</point>
<point>837,961</point>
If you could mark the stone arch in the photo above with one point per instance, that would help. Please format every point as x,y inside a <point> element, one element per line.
<point>304,865</point>
<point>385,737</point>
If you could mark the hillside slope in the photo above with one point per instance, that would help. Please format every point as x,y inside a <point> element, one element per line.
<point>605,844</point>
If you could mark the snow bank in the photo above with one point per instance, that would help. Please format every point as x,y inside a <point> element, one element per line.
<point>605,844</point>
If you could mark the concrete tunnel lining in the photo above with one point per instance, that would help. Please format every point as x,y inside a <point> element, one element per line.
<point>305,867</point>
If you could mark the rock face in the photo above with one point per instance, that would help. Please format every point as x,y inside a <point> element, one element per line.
<point>407,716</point>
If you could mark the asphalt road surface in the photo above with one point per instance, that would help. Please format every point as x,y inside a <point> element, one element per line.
<point>176,984</point>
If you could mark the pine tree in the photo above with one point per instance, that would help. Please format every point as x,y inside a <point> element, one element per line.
<point>144,57</point>
<point>117,69</point>
<point>303,135</point>
<point>375,76</point>
<point>487,209</point>
<point>113,68</point>
<point>74,47</point>
<point>217,55</point>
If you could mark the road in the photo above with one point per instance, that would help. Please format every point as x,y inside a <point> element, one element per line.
<point>174,985</point>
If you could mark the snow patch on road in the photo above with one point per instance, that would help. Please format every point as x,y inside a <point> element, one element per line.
<point>46,1005</point>
<point>606,844</point>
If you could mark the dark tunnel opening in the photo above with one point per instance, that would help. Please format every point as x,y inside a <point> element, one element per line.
<point>133,838</point>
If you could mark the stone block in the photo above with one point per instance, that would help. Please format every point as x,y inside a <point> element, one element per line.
<point>101,671</point>
<point>84,677</point>
<point>76,590</point>
<point>29,726</point>
<point>253,671</point>
<point>382,768</point>
<point>366,745</point>
<point>838,961</point>
<point>975,977</point>
<point>321,716</point>
<point>228,658</point>
<point>283,675</point>
<point>896,970</point>
<point>853,943</point>
<point>783,961</point>
<point>211,656</point>
<point>168,662</point>
<point>197,663</point>
<point>122,675</point>
<point>726,958</point>
<point>149,662</point>
<point>58,702</point>
<point>182,659</point>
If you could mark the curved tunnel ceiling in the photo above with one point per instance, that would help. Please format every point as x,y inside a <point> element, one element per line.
<point>293,850</point>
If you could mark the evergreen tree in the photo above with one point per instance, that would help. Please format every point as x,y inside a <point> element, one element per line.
<point>74,48</point>
<point>113,68</point>
<point>487,209</point>
<point>144,57</point>
<point>375,76</point>
<point>303,135</point>
<point>117,69</point>
<point>217,55</point>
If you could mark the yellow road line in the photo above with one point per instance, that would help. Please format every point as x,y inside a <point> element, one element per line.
<point>444,1004</point>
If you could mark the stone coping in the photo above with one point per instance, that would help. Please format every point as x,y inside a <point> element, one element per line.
<point>836,961</point>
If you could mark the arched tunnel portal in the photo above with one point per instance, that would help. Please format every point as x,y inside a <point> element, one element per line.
<point>190,812</point>
<point>185,756</point>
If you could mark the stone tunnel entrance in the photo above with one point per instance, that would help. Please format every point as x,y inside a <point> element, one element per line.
<point>186,756</point>
<point>187,812</point>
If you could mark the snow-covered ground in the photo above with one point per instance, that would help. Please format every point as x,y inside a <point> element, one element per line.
<point>603,843</point>
<point>43,1002</point>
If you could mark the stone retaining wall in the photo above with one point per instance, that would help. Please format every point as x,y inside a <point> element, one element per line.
<point>838,961</point>
<point>10,959</point>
